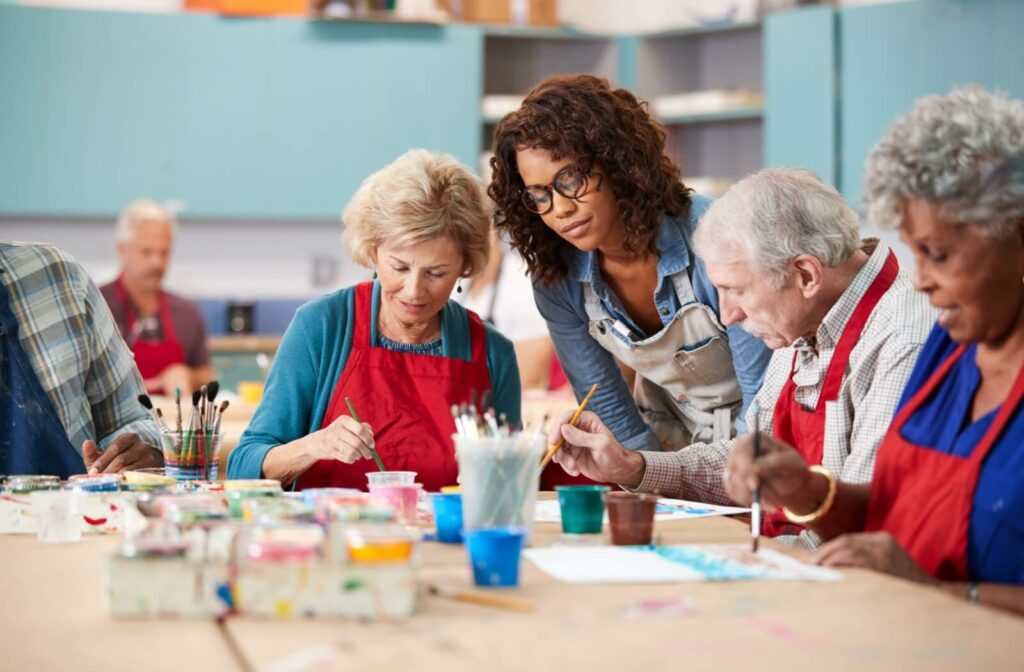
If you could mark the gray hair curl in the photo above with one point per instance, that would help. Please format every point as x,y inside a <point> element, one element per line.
<point>944,151</point>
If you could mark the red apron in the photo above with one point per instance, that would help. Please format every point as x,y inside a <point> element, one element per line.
<point>805,430</point>
<point>407,399</point>
<point>923,497</point>
<point>151,357</point>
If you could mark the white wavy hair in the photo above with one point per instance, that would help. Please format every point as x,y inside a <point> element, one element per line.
<point>946,151</point>
<point>774,215</point>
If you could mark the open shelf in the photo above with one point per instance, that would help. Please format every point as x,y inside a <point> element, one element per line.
<point>738,114</point>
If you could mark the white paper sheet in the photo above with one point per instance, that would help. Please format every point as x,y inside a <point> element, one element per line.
<point>661,564</point>
<point>547,511</point>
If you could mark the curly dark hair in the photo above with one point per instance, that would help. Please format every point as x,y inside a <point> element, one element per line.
<point>584,118</point>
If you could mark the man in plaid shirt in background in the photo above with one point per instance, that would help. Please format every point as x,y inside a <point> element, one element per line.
<point>846,326</point>
<point>68,384</point>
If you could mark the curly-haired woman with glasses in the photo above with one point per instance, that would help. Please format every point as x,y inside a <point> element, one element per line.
<point>587,195</point>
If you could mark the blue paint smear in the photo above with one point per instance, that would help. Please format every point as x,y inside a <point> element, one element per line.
<point>711,566</point>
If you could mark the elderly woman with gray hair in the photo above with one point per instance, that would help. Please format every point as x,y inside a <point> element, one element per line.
<point>946,502</point>
<point>397,346</point>
<point>784,252</point>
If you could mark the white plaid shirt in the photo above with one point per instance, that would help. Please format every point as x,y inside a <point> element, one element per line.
<point>855,423</point>
<point>76,351</point>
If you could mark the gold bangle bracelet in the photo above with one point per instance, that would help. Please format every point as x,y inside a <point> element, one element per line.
<point>826,504</point>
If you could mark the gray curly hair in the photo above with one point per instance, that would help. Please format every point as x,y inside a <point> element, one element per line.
<point>945,151</point>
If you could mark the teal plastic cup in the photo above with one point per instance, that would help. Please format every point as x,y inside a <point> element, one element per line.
<point>582,508</point>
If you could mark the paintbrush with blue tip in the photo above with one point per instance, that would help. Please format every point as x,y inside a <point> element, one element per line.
<point>755,505</point>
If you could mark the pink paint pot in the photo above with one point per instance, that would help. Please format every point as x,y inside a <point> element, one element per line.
<point>403,498</point>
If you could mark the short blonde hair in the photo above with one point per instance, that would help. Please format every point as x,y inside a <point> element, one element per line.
<point>416,197</point>
<point>142,210</point>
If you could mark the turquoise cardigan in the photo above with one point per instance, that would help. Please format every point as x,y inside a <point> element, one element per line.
<point>312,356</point>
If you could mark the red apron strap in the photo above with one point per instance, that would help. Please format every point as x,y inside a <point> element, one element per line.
<point>363,307</point>
<point>477,338</point>
<point>855,327</point>
<point>925,390</point>
<point>129,312</point>
<point>166,321</point>
<point>1006,411</point>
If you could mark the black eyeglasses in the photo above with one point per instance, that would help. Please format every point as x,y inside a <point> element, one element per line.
<point>572,182</point>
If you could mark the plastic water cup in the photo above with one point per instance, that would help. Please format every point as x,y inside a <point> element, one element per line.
<point>391,477</point>
<point>58,515</point>
<point>582,508</point>
<point>403,498</point>
<point>631,517</point>
<point>499,478</point>
<point>191,455</point>
<point>494,554</point>
<point>448,517</point>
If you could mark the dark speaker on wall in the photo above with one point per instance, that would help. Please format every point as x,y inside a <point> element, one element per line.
<point>240,317</point>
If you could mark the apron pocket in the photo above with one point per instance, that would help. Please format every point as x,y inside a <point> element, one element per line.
<point>708,365</point>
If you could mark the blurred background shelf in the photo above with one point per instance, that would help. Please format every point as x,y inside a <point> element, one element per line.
<point>738,114</point>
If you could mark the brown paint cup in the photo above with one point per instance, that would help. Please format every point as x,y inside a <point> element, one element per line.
<point>631,517</point>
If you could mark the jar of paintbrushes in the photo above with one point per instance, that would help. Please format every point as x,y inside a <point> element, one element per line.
<point>499,471</point>
<point>191,448</point>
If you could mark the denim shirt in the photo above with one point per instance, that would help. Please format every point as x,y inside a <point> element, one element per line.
<point>585,362</point>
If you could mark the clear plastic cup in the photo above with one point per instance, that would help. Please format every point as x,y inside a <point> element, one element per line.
<point>403,498</point>
<point>191,455</point>
<point>391,477</point>
<point>499,477</point>
<point>58,515</point>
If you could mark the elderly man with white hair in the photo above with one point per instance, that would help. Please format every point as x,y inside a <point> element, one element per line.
<point>846,326</point>
<point>164,331</point>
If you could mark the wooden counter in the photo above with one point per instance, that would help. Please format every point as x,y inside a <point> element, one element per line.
<point>53,618</point>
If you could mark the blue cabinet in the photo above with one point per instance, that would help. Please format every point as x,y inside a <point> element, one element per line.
<point>891,55</point>
<point>236,118</point>
<point>800,117</point>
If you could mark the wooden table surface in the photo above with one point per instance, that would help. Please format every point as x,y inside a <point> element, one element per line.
<point>54,618</point>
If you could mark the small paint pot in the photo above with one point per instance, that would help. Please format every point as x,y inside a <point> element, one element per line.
<point>582,508</point>
<point>494,555</point>
<point>95,483</point>
<point>403,498</point>
<point>448,517</point>
<point>379,544</point>
<point>20,485</point>
<point>631,517</point>
<point>390,478</point>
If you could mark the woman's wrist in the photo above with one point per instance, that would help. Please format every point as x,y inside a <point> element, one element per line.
<point>810,497</point>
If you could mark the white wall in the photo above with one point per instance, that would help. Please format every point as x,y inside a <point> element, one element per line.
<point>645,16</point>
<point>111,5</point>
<point>214,259</point>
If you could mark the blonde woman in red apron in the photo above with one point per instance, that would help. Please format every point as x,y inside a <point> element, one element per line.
<point>397,346</point>
<point>946,504</point>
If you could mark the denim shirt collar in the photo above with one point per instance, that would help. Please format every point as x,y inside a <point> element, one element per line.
<point>671,241</point>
